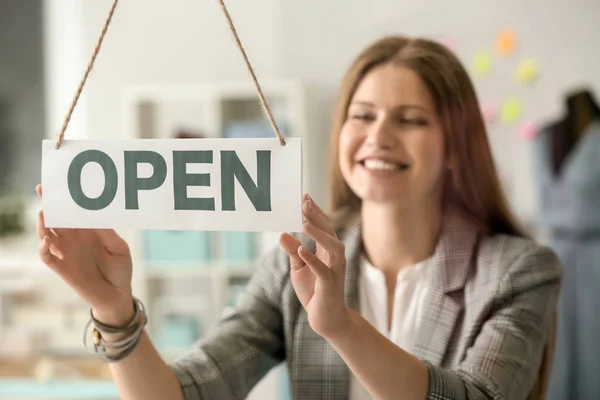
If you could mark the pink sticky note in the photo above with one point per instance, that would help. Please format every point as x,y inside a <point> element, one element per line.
<point>489,112</point>
<point>528,131</point>
<point>449,43</point>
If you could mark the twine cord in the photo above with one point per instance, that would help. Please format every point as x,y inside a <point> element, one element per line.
<point>263,101</point>
<point>239,45</point>
<point>61,135</point>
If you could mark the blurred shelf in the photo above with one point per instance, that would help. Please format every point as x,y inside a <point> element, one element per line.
<point>175,271</point>
<point>79,390</point>
<point>242,272</point>
<point>241,269</point>
<point>16,285</point>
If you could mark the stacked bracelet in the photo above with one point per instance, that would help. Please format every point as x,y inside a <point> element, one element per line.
<point>114,351</point>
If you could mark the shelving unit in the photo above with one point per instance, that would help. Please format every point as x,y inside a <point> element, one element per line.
<point>189,279</point>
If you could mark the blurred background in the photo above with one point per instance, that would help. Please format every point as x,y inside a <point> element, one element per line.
<point>171,69</point>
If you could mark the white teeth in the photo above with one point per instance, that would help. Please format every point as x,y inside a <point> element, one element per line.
<point>381,165</point>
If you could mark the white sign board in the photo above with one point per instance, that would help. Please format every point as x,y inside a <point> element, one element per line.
<point>174,184</point>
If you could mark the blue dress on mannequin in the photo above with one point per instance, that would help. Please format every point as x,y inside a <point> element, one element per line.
<point>570,214</point>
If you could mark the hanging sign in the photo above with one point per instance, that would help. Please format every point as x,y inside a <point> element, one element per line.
<point>173,184</point>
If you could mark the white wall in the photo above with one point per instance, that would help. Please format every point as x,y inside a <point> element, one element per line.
<point>314,40</point>
<point>64,65</point>
<point>180,41</point>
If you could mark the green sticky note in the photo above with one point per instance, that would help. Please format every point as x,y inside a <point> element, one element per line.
<point>511,110</point>
<point>527,71</point>
<point>482,64</point>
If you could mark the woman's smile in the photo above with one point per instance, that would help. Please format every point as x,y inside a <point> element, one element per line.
<point>383,169</point>
<point>392,144</point>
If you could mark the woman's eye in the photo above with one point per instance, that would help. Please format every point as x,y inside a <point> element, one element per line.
<point>413,121</point>
<point>362,117</point>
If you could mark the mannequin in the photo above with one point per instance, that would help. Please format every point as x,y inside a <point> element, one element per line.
<point>568,180</point>
<point>582,110</point>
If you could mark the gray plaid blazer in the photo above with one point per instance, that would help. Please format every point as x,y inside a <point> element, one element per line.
<point>482,337</point>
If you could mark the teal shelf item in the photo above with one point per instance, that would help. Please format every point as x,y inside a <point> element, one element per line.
<point>239,248</point>
<point>236,292</point>
<point>77,390</point>
<point>179,331</point>
<point>169,247</point>
<point>259,128</point>
<point>287,390</point>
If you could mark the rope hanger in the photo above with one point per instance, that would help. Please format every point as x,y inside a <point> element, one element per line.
<point>239,45</point>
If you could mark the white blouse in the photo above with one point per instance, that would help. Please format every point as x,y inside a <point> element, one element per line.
<point>411,287</point>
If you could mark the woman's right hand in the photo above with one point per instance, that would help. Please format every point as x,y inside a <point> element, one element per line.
<point>96,263</point>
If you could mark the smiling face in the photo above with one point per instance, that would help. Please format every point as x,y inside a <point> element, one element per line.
<point>391,146</point>
<point>398,141</point>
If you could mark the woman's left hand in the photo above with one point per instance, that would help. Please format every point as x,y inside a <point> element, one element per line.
<point>318,278</point>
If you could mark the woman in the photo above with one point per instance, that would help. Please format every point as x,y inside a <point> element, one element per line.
<point>419,285</point>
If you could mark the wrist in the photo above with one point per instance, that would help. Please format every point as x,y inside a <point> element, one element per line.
<point>343,327</point>
<point>118,330</point>
<point>119,315</point>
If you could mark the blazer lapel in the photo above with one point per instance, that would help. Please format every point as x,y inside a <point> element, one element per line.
<point>449,270</point>
<point>353,244</point>
<point>316,360</point>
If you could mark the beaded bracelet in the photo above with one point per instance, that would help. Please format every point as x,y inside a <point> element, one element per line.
<point>118,350</point>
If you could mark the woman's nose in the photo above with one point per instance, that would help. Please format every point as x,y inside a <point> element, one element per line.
<point>380,136</point>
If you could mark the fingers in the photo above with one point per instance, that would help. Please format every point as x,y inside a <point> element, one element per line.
<point>331,244</point>
<point>316,206</point>
<point>318,228</point>
<point>52,233</point>
<point>314,263</point>
<point>50,241</point>
<point>41,229</point>
<point>46,255</point>
<point>113,243</point>
<point>317,216</point>
<point>291,244</point>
